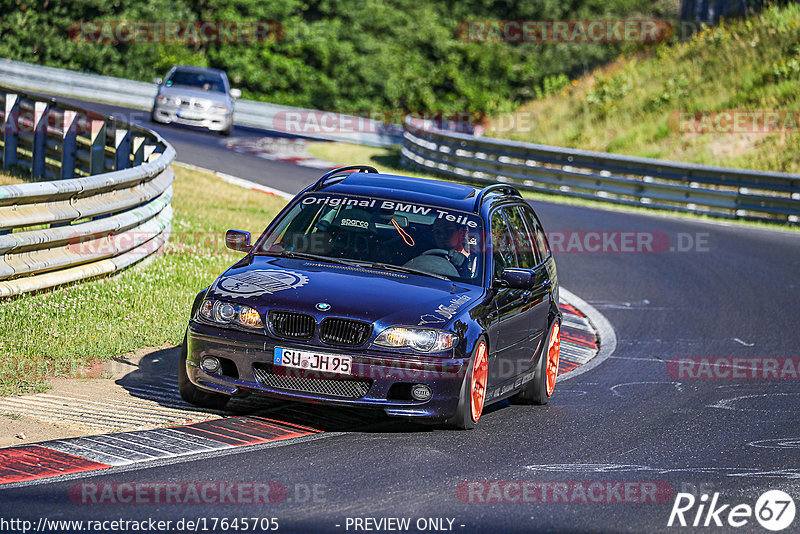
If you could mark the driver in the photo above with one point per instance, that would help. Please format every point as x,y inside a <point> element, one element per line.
<point>453,238</point>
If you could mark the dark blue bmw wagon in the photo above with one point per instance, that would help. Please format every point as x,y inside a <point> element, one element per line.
<point>422,298</point>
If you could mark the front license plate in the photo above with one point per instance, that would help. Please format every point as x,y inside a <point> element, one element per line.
<point>313,361</point>
<point>189,115</point>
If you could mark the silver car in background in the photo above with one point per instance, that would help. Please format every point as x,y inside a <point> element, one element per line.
<point>195,96</point>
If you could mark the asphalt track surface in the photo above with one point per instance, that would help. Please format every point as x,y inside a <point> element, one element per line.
<point>629,420</point>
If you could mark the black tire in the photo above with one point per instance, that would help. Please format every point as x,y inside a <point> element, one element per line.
<point>193,394</point>
<point>227,131</point>
<point>463,418</point>
<point>535,391</point>
<point>153,117</point>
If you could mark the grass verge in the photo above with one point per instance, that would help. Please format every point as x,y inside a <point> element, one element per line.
<point>642,105</point>
<point>10,179</point>
<point>62,331</point>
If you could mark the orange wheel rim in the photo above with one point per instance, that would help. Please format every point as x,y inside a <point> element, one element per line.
<point>480,371</point>
<point>553,356</point>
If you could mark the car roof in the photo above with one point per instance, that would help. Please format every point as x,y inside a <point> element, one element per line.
<point>405,188</point>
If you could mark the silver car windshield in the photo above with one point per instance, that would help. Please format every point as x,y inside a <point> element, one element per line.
<point>376,231</point>
<point>197,80</point>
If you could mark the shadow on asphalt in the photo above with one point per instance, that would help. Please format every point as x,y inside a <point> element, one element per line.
<point>155,379</point>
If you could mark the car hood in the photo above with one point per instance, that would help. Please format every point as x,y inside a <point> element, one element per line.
<point>381,297</point>
<point>188,92</point>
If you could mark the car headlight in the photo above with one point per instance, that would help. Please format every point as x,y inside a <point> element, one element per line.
<point>219,107</point>
<point>168,100</point>
<point>216,311</point>
<point>419,339</point>
<point>163,99</point>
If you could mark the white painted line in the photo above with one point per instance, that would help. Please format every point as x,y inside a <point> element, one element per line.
<point>789,473</point>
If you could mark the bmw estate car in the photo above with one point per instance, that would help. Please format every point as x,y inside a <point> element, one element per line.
<point>195,96</point>
<point>421,298</point>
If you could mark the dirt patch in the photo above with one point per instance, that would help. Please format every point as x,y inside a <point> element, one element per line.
<point>135,391</point>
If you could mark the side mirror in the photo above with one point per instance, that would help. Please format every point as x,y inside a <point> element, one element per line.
<point>517,278</point>
<point>238,240</point>
<point>158,81</point>
<point>236,93</point>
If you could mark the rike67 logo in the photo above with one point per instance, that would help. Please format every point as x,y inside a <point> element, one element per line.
<point>774,510</point>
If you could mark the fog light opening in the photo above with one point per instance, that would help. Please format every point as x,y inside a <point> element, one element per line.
<point>210,364</point>
<point>421,392</point>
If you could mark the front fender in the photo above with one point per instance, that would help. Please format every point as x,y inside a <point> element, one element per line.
<point>197,301</point>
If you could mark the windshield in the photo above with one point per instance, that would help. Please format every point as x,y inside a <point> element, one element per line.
<point>401,235</point>
<point>200,80</point>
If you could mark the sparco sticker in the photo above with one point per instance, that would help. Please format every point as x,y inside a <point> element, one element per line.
<point>257,282</point>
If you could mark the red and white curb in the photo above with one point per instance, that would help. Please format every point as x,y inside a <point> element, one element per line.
<point>579,342</point>
<point>587,338</point>
<point>94,453</point>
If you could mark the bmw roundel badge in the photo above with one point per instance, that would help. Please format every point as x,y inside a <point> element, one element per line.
<point>323,306</point>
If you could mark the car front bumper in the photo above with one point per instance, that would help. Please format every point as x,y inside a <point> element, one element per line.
<point>213,120</point>
<point>386,377</point>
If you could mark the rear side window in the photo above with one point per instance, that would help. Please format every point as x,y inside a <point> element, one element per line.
<point>539,237</point>
<point>521,237</point>
<point>503,252</point>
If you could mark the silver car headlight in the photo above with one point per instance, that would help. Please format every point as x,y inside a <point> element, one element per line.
<point>216,311</point>
<point>418,339</point>
<point>220,107</point>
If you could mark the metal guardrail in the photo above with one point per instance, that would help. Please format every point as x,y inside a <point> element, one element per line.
<point>99,200</point>
<point>328,126</point>
<point>652,183</point>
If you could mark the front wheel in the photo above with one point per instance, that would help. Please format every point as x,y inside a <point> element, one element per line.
<point>193,394</point>
<point>473,391</point>
<point>227,131</point>
<point>541,387</point>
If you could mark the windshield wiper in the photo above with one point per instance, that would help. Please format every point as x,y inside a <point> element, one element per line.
<point>398,268</point>
<point>308,256</point>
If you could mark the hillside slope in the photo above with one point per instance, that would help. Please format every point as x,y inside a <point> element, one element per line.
<point>729,96</point>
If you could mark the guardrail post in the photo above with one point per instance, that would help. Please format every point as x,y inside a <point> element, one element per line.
<point>138,150</point>
<point>40,112</point>
<point>97,152</point>
<point>122,145</point>
<point>69,144</point>
<point>10,130</point>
